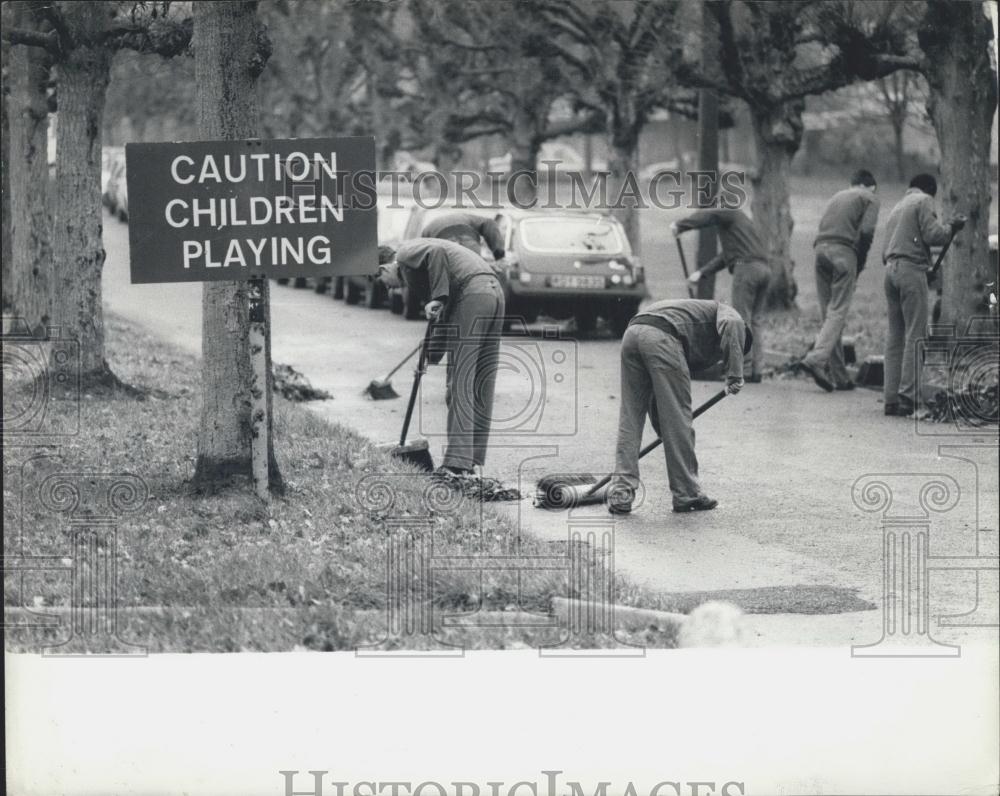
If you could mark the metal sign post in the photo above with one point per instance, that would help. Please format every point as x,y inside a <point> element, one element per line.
<point>260,394</point>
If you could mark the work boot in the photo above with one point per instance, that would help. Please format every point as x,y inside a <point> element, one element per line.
<point>754,378</point>
<point>817,374</point>
<point>620,499</point>
<point>845,386</point>
<point>703,503</point>
<point>901,408</point>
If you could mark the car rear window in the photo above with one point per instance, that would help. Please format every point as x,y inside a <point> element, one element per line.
<point>573,235</point>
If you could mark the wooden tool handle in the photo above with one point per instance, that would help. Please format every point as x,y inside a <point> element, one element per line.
<point>657,442</point>
<point>421,367</point>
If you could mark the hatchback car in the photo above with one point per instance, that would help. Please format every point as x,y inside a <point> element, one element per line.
<point>568,264</point>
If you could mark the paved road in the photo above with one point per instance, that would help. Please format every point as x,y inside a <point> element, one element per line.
<point>781,458</point>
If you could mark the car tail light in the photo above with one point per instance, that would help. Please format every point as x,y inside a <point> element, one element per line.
<point>638,272</point>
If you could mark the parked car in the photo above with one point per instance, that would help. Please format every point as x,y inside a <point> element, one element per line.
<point>394,218</point>
<point>114,188</point>
<point>122,198</point>
<point>557,155</point>
<point>570,264</point>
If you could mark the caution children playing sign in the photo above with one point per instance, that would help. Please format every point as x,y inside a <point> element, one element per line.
<point>232,210</point>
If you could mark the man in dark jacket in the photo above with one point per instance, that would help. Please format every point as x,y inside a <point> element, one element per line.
<point>743,253</point>
<point>469,230</point>
<point>911,230</point>
<point>660,347</point>
<point>468,303</point>
<point>842,242</point>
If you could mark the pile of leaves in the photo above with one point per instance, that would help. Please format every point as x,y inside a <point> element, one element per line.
<point>477,487</point>
<point>295,387</point>
<point>974,405</point>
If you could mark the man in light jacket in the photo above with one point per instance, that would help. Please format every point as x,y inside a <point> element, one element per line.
<point>842,242</point>
<point>911,230</point>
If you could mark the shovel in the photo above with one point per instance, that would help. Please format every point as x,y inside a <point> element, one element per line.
<point>567,491</point>
<point>932,273</point>
<point>381,389</point>
<point>684,266</point>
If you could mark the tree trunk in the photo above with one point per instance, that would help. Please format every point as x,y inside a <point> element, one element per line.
<point>708,160</point>
<point>777,135</point>
<point>622,184</point>
<point>28,282</point>
<point>897,148</point>
<point>77,245</point>
<point>380,128</point>
<point>227,63</point>
<point>524,149</point>
<point>6,234</point>
<point>963,98</point>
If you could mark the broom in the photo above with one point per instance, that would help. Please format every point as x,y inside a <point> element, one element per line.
<point>567,491</point>
<point>416,452</point>
<point>381,389</point>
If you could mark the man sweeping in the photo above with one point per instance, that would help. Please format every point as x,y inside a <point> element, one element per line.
<point>661,346</point>
<point>469,230</point>
<point>743,253</point>
<point>466,299</point>
<point>842,242</point>
<point>911,230</point>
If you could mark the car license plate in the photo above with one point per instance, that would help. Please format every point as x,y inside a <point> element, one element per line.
<point>578,281</point>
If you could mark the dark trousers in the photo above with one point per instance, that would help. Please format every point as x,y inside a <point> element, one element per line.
<point>476,316</point>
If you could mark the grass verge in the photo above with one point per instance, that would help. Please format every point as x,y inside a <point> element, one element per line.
<point>228,572</point>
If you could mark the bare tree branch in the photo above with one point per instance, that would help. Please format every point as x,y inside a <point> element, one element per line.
<point>33,38</point>
<point>162,37</point>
